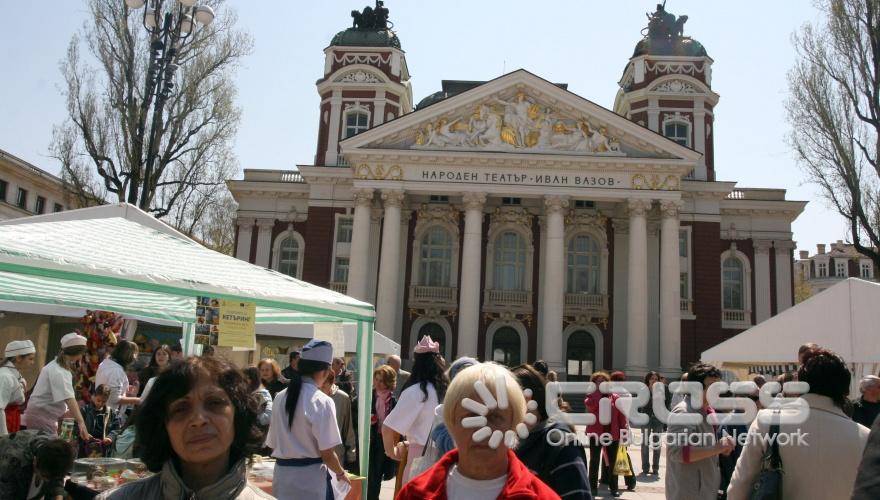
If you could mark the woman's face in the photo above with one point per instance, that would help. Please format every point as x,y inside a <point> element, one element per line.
<point>200,425</point>
<point>162,358</point>
<point>652,380</point>
<point>480,452</point>
<point>266,372</point>
<point>599,379</point>
<point>378,384</point>
<point>25,361</point>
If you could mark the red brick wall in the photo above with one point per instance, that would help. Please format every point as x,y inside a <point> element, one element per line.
<point>705,331</point>
<point>318,235</point>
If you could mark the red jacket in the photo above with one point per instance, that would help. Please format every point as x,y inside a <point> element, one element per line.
<point>618,419</point>
<point>521,483</point>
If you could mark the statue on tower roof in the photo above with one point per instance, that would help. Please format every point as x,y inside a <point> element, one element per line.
<point>371,18</point>
<point>664,25</point>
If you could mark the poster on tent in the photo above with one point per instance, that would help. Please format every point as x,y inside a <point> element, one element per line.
<point>225,323</point>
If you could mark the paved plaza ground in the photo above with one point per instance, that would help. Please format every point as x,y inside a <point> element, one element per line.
<point>647,487</point>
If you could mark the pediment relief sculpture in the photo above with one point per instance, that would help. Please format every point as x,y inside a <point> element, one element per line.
<point>518,124</point>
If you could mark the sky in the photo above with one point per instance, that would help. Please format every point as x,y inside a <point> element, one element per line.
<point>583,43</point>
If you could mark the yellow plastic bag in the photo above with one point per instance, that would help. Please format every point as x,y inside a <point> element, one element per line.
<point>621,463</point>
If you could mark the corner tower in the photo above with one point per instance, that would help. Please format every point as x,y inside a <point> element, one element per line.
<point>667,87</point>
<point>365,82</point>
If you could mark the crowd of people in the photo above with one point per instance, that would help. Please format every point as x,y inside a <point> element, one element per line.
<point>460,430</point>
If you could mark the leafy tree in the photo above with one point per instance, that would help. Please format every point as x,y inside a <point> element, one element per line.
<point>834,111</point>
<point>103,145</point>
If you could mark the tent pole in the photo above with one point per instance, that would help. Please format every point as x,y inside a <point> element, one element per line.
<point>188,340</point>
<point>365,395</point>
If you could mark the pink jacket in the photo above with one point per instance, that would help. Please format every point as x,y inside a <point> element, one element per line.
<point>618,420</point>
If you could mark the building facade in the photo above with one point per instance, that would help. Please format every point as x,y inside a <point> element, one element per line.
<point>28,190</point>
<point>514,220</point>
<point>824,269</point>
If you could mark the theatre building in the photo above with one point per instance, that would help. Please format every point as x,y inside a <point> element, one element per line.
<point>514,220</point>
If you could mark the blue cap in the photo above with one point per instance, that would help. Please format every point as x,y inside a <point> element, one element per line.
<point>318,350</point>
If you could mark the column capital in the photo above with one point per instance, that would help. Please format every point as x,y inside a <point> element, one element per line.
<point>393,197</point>
<point>265,224</point>
<point>555,204</point>
<point>783,244</point>
<point>761,246</point>
<point>473,201</point>
<point>246,222</point>
<point>362,196</point>
<point>671,208</point>
<point>638,206</point>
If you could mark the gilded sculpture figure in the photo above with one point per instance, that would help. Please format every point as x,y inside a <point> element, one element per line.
<point>520,123</point>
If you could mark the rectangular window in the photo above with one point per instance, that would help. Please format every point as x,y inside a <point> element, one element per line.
<point>821,270</point>
<point>678,132</point>
<point>683,243</point>
<point>684,286</point>
<point>40,206</point>
<point>840,269</point>
<point>435,198</point>
<point>511,201</point>
<point>3,187</point>
<point>22,198</point>
<point>584,204</point>
<point>340,272</point>
<point>355,123</point>
<point>343,230</point>
<point>866,271</point>
<point>57,208</point>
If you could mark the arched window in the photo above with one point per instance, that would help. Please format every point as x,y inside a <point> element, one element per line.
<point>435,261</point>
<point>733,284</point>
<point>288,257</point>
<point>580,355</point>
<point>583,265</point>
<point>509,262</point>
<point>437,335</point>
<point>355,123</point>
<point>506,346</point>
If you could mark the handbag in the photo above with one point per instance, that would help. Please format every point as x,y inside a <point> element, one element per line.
<point>768,486</point>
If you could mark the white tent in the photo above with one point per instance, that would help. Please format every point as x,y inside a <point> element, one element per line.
<point>120,259</point>
<point>844,318</point>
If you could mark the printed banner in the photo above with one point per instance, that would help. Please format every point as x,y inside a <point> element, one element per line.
<point>225,323</point>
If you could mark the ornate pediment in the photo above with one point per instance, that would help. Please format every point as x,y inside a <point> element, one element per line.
<point>521,124</point>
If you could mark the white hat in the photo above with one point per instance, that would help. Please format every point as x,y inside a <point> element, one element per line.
<point>318,350</point>
<point>19,348</point>
<point>72,339</point>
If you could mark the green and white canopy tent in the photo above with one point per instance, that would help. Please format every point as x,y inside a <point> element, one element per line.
<point>118,258</point>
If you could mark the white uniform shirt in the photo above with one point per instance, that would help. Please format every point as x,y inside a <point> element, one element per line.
<point>412,416</point>
<point>147,387</point>
<point>54,386</point>
<point>314,424</point>
<point>112,375</point>
<point>11,391</point>
<point>465,488</point>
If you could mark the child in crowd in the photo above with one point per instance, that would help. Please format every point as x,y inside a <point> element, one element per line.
<point>102,423</point>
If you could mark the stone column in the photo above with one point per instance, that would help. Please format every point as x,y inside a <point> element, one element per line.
<point>554,282</point>
<point>331,154</point>
<point>670,289</point>
<point>264,241</point>
<point>358,262</point>
<point>389,265</point>
<point>762,280</point>
<point>243,248</point>
<point>637,288</point>
<point>783,274</point>
<point>471,272</point>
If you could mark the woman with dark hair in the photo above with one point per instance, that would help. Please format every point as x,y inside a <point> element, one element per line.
<point>603,439</point>
<point>196,431</point>
<point>824,463</point>
<point>414,413</point>
<point>19,356</point>
<point>303,434</point>
<point>270,376</point>
<point>53,394</point>
<point>651,431</point>
<point>111,374</point>
<point>561,465</point>
<point>265,399</point>
<point>159,361</point>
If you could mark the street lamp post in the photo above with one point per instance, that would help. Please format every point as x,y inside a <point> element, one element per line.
<point>170,25</point>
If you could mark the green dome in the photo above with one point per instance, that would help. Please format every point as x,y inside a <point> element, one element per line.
<point>432,99</point>
<point>683,46</point>
<point>355,37</point>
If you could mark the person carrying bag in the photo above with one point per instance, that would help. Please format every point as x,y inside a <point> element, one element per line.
<point>768,486</point>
